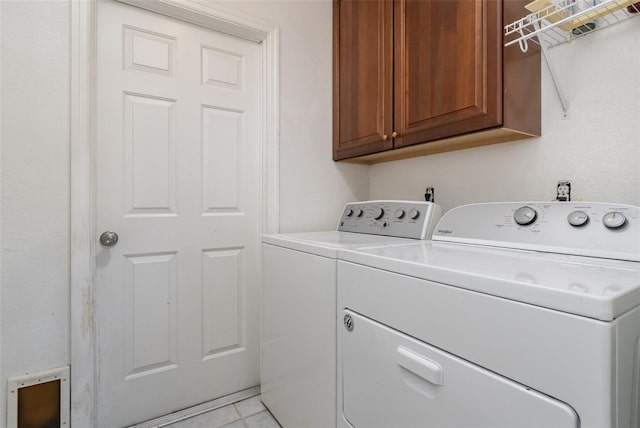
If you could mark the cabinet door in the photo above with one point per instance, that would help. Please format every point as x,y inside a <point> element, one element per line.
<point>448,75</point>
<point>362,77</point>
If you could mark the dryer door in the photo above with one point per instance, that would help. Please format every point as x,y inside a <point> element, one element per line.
<point>392,380</point>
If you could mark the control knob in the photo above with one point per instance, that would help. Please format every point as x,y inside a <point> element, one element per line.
<point>378,213</point>
<point>525,216</point>
<point>614,220</point>
<point>414,214</point>
<point>359,212</point>
<point>578,218</point>
<point>349,212</point>
<point>399,213</point>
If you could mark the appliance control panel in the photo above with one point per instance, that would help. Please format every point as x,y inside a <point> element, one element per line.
<point>593,229</point>
<point>402,219</point>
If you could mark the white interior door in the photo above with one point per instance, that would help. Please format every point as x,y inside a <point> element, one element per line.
<point>177,178</point>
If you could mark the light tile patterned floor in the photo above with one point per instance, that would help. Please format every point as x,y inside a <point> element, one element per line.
<point>249,413</point>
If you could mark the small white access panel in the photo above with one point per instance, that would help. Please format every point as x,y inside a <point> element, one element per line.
<point>392,380</point>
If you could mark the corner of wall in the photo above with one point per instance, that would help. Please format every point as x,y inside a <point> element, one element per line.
<point>2,399</point>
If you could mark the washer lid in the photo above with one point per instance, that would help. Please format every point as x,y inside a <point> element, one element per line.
<point>592,287</point>
<point>328,243</point>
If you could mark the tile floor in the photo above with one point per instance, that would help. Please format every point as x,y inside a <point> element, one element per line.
<point>249,413</point>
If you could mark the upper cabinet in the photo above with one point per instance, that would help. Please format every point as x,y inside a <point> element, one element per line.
<point>413,77</point>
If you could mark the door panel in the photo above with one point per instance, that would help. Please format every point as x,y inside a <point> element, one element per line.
<point>448,77</point>
<point>363,73</point>
<point>177,164</point>
<point>149,154</point>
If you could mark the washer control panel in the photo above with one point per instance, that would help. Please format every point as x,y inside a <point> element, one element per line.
<point>402,219</point>
<point>587,228</point>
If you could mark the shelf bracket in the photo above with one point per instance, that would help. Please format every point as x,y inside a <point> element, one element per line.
<point>554,77</point>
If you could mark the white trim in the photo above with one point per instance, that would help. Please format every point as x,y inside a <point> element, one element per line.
<point>83,84</point>
<point>2,399</point>
<point>206,15</point>
<point>83,26</point>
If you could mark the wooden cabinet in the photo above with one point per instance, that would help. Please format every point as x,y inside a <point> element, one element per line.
<point>414,77</point>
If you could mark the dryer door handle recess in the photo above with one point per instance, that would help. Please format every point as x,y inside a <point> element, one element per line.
<point>420,365</point>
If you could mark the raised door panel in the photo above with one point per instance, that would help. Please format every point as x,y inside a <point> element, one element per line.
<point>363,88</point>
<point>448,76</point>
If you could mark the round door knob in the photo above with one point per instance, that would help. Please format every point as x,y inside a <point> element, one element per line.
<point>378,213</point>
<point>399,213</point>
<point>394,134</point>
<point>525,216</point>
<point>385,136</point>
<point>614,220</point>
<point>108,238</point>
<point>578,218</point>
<point>414,214</point>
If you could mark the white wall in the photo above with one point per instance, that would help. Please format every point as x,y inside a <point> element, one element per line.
<point>35,73</point>
<point>35,187</point>
<point>313,188</point>
<point>2,398</point>
<point>597,147</point>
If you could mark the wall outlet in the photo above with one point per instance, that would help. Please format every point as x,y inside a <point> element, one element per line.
<point>563,191</point>
<point>430,194</point>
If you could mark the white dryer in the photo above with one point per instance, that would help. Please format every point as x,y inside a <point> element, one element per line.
<point>298,311</point>
<point>515,315</point>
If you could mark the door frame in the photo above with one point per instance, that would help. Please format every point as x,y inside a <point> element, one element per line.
<point>82,332</point>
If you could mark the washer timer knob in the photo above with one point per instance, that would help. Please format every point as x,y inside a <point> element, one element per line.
<point>525,216</point>
<point>414,214</point>
<point>578,218</point>
<point>614,220</point>
<point>378,213</point>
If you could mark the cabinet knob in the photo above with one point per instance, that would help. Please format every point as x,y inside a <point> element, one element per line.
<point>394,134</point>
<point>385,136</point>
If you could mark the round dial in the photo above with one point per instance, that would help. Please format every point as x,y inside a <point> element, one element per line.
<point>359,212</point>
<point>614,220</point>
<point>525,216</point>
<point>578,218</point>
<point>378,213</point>
<point>399,213</point>
<point>414,214</point>
<point>349,212</point>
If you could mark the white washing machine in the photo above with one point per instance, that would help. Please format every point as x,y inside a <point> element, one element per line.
<point>298,311</point>
<point>515,315</point>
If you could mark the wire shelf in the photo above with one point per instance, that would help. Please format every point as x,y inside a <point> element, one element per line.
<point>554,22</point>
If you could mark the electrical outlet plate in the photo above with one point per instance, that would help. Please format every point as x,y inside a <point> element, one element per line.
<point>430,194</point>
<point>563,191</point>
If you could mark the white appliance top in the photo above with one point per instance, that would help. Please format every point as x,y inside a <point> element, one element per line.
<point>328,243</point>
<point>365,224</point>
<point>529,268</point>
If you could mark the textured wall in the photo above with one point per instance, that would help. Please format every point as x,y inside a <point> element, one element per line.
<point>313,188</point>
<point>35,73</point>
<point>35,187</point>
<point>597,147</point>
